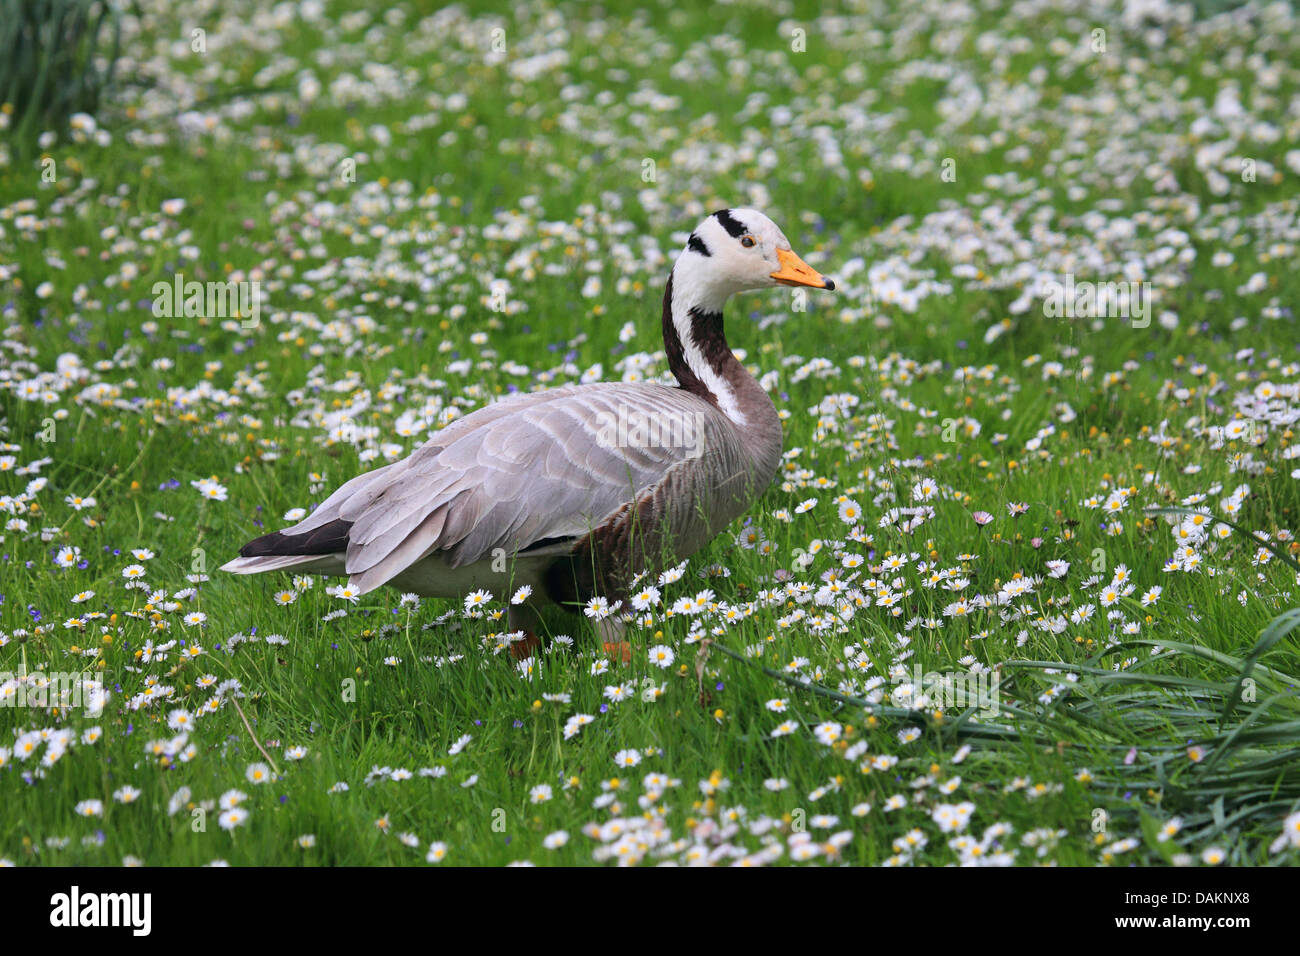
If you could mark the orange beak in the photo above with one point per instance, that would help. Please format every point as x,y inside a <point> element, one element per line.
<point>794,271</point>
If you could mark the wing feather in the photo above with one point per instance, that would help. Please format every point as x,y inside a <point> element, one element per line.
<point>526,469</point>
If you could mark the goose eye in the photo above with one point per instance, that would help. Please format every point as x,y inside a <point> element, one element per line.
<point>747,241</point>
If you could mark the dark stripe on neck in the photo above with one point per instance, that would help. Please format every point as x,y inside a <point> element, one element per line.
<point>735,228</point>
<point>708,335</point>
<point>696,244</point>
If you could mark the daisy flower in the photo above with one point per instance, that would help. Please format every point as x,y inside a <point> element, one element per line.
<point>234,817</point>
<point>662,656</point>
<point>477,599</point>
<point>345,592</point>
<point>850,511</point>
<point>540,793</point>
<point>597,608</point>
<point>645,599</point>
<point>828,732</point>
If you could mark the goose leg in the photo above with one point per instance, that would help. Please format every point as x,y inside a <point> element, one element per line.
<point>611,634</point>
<point>521,617</point>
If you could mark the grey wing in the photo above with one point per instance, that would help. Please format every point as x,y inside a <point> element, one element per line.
<point>541,466</point>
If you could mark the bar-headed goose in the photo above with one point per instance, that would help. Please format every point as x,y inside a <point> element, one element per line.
<point>572,490</point>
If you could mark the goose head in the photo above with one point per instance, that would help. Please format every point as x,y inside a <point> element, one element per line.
<point>741,250</point>
<point>733,250</point>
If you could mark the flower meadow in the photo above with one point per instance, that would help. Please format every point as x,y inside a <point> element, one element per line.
<point>1023,592</point>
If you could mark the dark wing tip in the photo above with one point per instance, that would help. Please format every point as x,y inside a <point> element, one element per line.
<point>329,538</point>
<point>267,544</point>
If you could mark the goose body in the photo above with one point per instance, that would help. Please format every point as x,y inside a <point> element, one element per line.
<point>572,490</point>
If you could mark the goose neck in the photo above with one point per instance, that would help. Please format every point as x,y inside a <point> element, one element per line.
<point>702,362</point>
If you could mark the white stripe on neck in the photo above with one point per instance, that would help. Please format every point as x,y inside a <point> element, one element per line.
<point>692,290</point>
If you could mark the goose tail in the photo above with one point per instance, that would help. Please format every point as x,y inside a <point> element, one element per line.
<point>320,549</point>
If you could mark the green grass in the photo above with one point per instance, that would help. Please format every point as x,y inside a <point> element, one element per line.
<point>59,60</point>
<point>203,397</point>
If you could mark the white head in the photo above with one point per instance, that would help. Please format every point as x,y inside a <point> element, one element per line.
<point>734,250</point>
<point>737,250</point>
